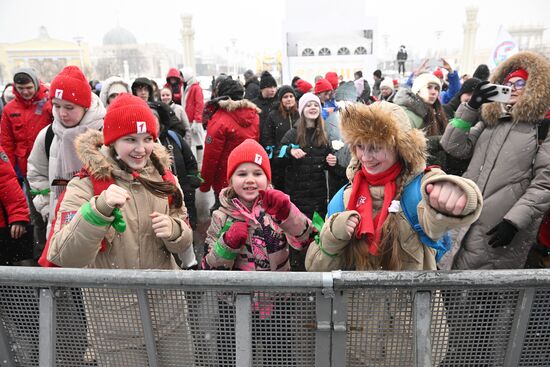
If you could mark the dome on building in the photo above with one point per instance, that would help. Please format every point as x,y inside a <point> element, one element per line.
<point>118,36</point>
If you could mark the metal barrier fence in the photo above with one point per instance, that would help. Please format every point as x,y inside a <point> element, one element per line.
<point>77,317</point>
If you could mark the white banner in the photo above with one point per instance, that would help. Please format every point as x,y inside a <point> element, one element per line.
<point>505,47</point>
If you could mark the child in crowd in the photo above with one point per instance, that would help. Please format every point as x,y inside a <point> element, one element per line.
<point>124,211</point>
<point>371,225</point>
<point>255,225</point>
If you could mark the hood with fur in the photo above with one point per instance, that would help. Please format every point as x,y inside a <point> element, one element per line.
<point>385,124</point>
<point>535,101</point>
<point>95,156</point>
<point>244,112</point>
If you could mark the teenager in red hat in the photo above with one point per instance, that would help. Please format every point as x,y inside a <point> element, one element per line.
<point>53,160</point>
<point>123,211</point>
<point>255,224</point>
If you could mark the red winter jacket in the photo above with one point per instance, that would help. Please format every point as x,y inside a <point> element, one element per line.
<point>12,199</point>
<point>194,102</point>
<point>21,122</point>
<point>176,93</point>
<point>234,122</point>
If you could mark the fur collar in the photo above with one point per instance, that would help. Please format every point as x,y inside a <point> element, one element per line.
<point>535,101</point>
<point>230,105</point>
<point>95,156</point>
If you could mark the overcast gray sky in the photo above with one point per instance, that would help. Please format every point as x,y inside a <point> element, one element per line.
<point>257,23</point>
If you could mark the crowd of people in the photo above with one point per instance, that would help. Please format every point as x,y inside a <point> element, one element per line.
<point>320,176</point>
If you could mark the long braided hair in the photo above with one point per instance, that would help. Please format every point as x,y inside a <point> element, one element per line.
<point>161,189</point>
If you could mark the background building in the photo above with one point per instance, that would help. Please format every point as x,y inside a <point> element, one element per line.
<point>318,40</point>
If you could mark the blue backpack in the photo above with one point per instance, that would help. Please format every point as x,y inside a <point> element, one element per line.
<point>409,202</point>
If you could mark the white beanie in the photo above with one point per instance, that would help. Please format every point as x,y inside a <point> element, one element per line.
<point>187,73</point>
<point>423,80</point>
<point>387,82</point>
<point>308,97</point>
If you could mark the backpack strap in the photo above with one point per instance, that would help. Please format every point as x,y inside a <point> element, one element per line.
<point>175,137</point>
<point>410,198</point>
<point>48,140</point>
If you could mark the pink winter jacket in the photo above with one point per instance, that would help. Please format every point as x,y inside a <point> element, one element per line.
<point>267,248</point>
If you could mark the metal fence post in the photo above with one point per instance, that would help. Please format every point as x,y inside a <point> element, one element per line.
<point>48,311</point>
<point>147,322</point>
<point>422,326</point>
<point>339,321</point>
<point>243,330</point>
<point>519,328</point>
<point>323,320</point>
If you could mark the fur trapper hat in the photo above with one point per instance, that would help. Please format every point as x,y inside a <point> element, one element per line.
<point>384,124</point>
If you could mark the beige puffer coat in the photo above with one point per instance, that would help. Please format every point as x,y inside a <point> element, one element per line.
<point>76,243</point>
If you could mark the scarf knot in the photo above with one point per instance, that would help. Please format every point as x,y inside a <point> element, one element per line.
<point>361,201</point>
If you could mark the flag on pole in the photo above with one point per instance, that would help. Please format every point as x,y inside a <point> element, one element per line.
<point>504,48</point>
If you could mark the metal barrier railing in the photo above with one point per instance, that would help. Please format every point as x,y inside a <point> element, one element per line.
<point>86,317</point>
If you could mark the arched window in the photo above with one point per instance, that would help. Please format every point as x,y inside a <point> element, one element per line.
<point>308,52</point>
<point>343,51</point>
<point>324,52</point>
<point>360,51</point>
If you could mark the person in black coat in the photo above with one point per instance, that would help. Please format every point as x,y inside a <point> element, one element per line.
<point>251,85</point>
<point>265,101</point>
<point>305,152</point>
<point>279,121</point>
<point>184,165</point>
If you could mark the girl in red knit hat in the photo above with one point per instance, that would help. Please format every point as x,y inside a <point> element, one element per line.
<point>255,224</point>
<point>123,211</point>
<point>252,231</point>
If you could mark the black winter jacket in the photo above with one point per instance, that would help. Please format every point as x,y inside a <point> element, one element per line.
<point>305,179</point>
<point>266,105</point>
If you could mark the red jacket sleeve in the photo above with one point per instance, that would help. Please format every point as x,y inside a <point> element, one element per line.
<point>7,140</point>
<point>12,197</point>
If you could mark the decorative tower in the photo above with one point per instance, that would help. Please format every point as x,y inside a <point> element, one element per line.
<point>188,41</point>
<point>468,48</point>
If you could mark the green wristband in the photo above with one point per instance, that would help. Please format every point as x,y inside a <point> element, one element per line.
<point>91,217</point>
<point>223,252</point>
<point>461,124</point>
<point>325,251</point>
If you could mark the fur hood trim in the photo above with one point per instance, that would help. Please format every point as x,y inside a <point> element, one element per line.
<point>535,101</point>
<point>231,105</point>
<point>385,124</point>
<point>95,156</point>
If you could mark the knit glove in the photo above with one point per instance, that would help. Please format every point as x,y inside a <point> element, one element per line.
<point>502,234</point>
<point>481,95</point>
<point>276,203</point>
<point>236,235</point>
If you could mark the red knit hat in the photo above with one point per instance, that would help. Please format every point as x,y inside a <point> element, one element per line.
<point>438,73</point>
<point>322,85</point>
<point>521,73</point>
<point>126,115</point>
<point>72,86</point>
<point>248,151</point>
<point>303,86</point>
<point>332,78</point>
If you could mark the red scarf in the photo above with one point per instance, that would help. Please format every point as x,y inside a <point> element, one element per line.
<point>361,201</point>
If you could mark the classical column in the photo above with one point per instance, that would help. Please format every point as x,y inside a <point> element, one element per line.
<point>468,48</point>
<point>187,41</point>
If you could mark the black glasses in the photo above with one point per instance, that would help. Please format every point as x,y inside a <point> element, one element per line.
<point>518,84</point>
